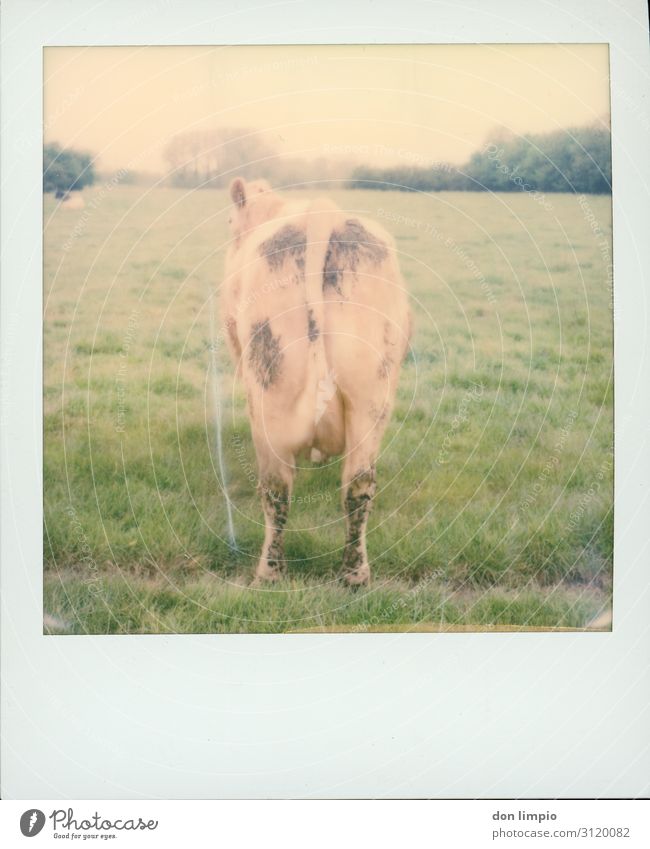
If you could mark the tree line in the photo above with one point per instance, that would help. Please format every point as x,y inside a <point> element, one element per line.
<point>206,159</point>
<point>573,160</point>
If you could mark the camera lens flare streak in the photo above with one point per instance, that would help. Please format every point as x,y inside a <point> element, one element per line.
<point>218,424</point>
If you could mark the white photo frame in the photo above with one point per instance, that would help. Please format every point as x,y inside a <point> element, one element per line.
<point>357,715</point>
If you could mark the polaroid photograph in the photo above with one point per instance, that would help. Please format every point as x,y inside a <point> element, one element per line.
<point>324,418</point>
<point>328,338</point>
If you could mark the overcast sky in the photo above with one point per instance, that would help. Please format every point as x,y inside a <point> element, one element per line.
<point>380,104</point>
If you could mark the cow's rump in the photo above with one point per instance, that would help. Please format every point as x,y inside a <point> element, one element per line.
<point>317,339</point>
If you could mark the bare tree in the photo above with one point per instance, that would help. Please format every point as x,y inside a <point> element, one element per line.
<point>211,157</point>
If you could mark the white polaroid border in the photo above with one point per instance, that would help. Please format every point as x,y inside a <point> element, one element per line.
<point>382,715</point>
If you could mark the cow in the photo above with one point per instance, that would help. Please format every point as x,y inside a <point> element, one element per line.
<point>70,199</point>
<point>317,320</point>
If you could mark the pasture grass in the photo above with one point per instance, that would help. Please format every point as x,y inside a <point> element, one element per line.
<point>495,478</point>
<point>175,602</point>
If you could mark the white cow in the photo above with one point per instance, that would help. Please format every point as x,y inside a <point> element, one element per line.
<point>318,323</point>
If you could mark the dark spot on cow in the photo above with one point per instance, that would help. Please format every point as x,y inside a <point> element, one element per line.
<point>231,328</point>
<point>288,243</point>
<point>385,366</point>
<point>312,326</point>
<point>388,360</point>
<point>378,414</point>
<point>264,354</point>
<point>350,246</point>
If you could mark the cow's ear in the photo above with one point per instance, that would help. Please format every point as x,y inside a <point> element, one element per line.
<point>238,192</point>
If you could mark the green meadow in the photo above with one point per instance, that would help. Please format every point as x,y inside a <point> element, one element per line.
<point>494,505</point>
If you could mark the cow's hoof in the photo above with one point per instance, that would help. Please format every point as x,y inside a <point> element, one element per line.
<point>358,577</point>
<point>266,575</point>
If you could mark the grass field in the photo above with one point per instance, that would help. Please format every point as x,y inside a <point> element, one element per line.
<point>495,480</point>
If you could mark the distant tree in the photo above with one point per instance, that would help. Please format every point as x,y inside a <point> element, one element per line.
<point>66,170</point>
<point>210,158</point>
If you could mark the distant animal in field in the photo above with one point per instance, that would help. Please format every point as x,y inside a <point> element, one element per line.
<point>70,200</point>
<point>317,319</point>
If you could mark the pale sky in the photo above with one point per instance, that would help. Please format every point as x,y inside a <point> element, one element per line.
<point>379,104</point>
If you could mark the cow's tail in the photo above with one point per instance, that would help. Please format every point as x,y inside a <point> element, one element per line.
<point>320,386</point>
<point>322,217</point>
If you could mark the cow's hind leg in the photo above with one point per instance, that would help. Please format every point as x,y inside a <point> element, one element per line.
<point>275,491</point>
<point>359,493</point>
<point>359,487</point>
